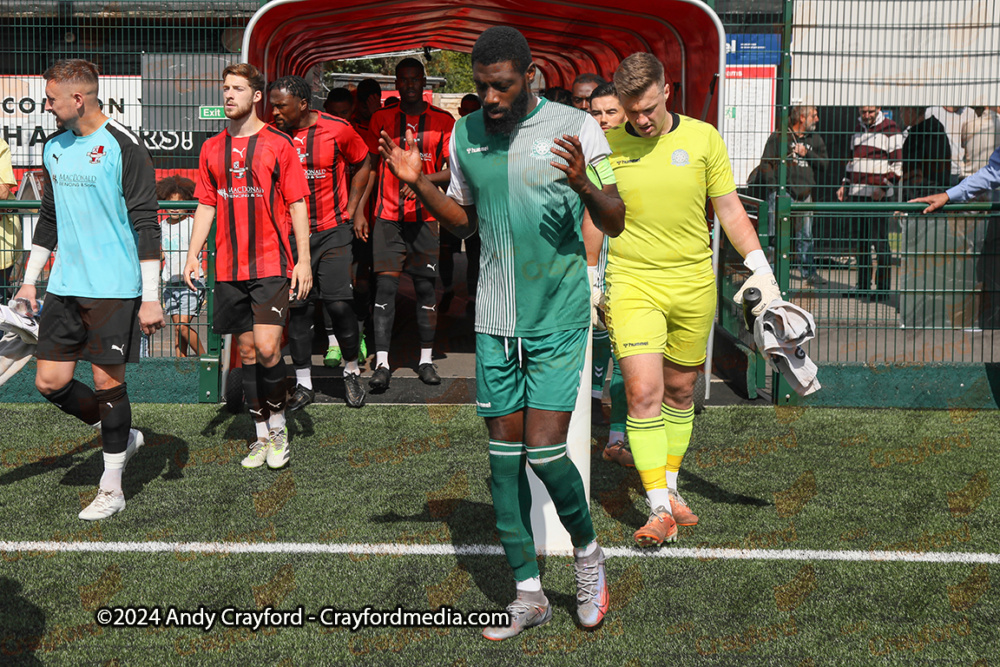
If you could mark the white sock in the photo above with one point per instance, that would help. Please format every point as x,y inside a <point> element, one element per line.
<point>658,498</point>
<point>596,393</point>
<point>672,480</point>
<point>111,480</point>
<point>352,368</point>
<point>303,376</point>
<point>277,421</point>
<point>381,359</point>
<point>425,355</point>
<point>332,341</point>
<point>615,436</point>
<point>532,585</point>
<point>585,551</point>
<point>261,428</point>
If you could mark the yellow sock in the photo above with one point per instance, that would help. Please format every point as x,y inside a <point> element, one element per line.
<point>677,425</point>
<point>648,441</point>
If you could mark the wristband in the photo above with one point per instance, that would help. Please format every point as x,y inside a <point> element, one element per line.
<point>756,261</point>
<point>150,271</point>
<point>37,260</point>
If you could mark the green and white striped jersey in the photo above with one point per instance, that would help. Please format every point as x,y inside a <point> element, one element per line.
<point>533,276</point>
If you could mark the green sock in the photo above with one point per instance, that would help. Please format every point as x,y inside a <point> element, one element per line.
<point>565,486</point>
<point>602,353</point>
<point>678,424</point>
<point>512,505</point>
<point>619,404</point>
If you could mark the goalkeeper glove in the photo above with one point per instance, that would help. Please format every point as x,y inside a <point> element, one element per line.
<point>762,279</point>
<point>596,301</point>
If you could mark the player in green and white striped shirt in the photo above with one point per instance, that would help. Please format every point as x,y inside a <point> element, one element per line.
<point>533,301</point>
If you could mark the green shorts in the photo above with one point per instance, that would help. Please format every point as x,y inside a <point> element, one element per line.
<point>542,372</point>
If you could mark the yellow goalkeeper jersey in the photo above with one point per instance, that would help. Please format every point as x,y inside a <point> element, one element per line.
<point>664,182</point>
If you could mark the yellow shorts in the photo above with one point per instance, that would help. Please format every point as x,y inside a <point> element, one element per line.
<point>647,312</point>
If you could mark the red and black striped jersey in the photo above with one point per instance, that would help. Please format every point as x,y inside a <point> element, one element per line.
<point>326,149</point>
<point>251,181</point>
<point>432,130</point>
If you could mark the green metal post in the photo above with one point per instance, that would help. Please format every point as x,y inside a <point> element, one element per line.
<point>783,394</point>
<point>209,366</point>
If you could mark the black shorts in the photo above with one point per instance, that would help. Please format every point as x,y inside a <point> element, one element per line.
<point>241,304</point>
<point>101,331</point>
<point>411,246</point>
<point>331,254</point>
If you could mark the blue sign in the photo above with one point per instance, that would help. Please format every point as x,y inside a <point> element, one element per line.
<point>753,49</point>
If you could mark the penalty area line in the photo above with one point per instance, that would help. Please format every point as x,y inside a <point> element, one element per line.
<point>488,550</point>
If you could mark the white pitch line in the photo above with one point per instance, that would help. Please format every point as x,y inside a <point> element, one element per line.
<point>490,550</point>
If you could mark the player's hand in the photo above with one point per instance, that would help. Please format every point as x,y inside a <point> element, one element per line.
<point>840,193</point>
<point>151,317</point>
<point>361,226</point>
<point>302,277</point>
<point>935,201</point>
<point>407,192</point>
<point>575,167</point>
<point>29,294</point>
<point>597,302</point>
<point>768,287</point>
<point>191,271</point>
<point>405,164</point>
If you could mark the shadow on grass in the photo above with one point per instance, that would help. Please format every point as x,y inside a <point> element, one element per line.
<point>22,625</point>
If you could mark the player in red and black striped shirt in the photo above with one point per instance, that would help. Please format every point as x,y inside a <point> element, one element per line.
<point>251,181</point>
<point>405,235</point>
<point>329,149</point>
<point>368,100</point>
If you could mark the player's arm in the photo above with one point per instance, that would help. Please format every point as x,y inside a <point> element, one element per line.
<point>440,178</point>
<point>302,273</point>
<point>200,228</point>
<point>359,184</point>
<point>43,241</point>
<point>139,192</point>
<point>984,180</point>
<point>735,222</point>
<point>606,208</point>
<point>361,211</point>
<point>460,220</point>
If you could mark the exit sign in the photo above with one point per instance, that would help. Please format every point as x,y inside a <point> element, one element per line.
<point>211,113</point>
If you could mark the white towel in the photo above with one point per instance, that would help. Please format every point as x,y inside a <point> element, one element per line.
<point>14,354</point>
<point>25,327</point>
<point>779,333</point>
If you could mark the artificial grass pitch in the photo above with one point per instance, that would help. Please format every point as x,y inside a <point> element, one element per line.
<point>759,478</point>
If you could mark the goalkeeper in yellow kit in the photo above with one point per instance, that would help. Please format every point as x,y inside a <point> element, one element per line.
<point>660,287</point>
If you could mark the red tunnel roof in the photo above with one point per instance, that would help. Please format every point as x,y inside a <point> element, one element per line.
<point>566,38</point>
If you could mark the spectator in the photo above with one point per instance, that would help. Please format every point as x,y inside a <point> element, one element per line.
<point>10,226</point>
<point>980,136</point>
<point>391,101</point>
<point>874,169</point>
<point>179,303</point>
<point>806,155</point>
<point>952,118</point>
<point>469,104</point>
<point>926,154</point>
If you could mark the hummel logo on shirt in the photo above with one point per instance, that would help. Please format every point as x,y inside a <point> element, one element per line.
<point>477,149</point>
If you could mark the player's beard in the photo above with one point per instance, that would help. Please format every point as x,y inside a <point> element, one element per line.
<point>506,123</point>
<point>239,112</point>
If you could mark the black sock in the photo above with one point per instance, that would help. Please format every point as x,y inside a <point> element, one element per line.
<point>78,400</point>
<point>116,418</point>
<point>345,328</point>
<point>426,310</point>
<point>385,310</point>
<point>258,411</point>
<point>274,385</point>
<point>300,336</point>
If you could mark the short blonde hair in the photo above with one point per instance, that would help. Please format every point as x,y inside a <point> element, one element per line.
<point>637,73</point>
<point>73,70</point>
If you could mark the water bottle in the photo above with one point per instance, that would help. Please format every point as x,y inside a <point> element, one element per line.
<point>751,299</point>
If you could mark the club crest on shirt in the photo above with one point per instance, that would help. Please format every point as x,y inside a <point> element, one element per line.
<point>540,149</point>
<point>96,155</point>
<point>302,154</point>
<point>239,169</point>
<point>679,158</point>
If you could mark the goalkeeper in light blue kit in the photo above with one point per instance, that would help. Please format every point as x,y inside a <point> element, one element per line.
<point>522,170</point>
